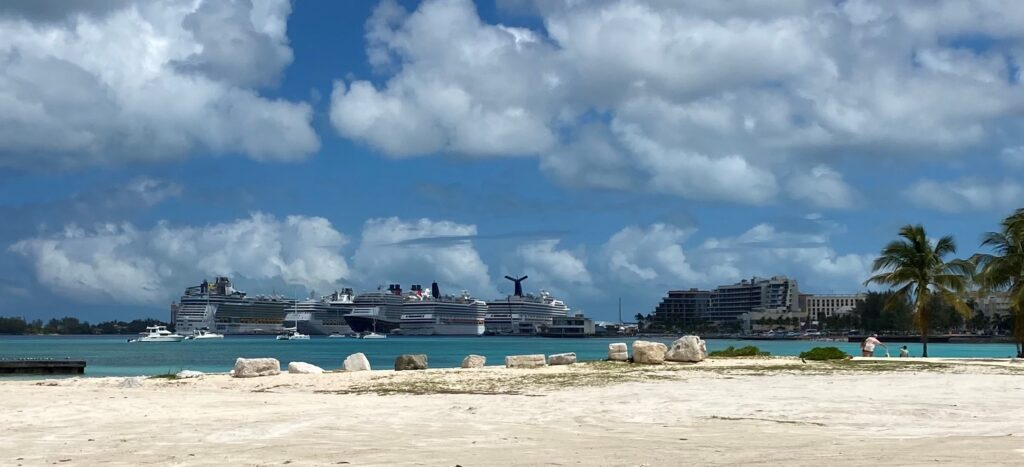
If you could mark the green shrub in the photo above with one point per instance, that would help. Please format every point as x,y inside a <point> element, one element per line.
<point>824,353</point>
<point>748,351</point>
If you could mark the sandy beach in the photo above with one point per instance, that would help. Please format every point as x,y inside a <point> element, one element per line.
<point>719,412</point>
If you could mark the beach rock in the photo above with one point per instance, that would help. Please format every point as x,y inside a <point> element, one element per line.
<point>617,352</point>
<point>618,356</point>
<point>687,349</point>
<point>304,368</point>
<point>252,367</point>
<point>562,359</point>
<point>524,361</point>
<point>183,374</point>
<point>133,382</point>
<point>474,361</point>
<point>651,353</point>
<point>357,362</point>
<point>411,362</point>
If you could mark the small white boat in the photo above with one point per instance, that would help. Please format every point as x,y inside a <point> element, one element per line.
<point>374,335</point>
<point>203,334</point>
<point>337,336</point>
<point>158,334</point>
<point>293,335</point>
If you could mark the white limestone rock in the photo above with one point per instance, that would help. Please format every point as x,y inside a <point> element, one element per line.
<point>617,352</point>
<point>651,353</point>
<point>562,358</point>
<point>474,361</point>
<point>357,362</point>
<point>687,349</point>
<point>132,382</point>
<point>184,374</point>
<point>252,367</point>
<point>304,368</point>
<point>618,356</point>
<point>525,361</point>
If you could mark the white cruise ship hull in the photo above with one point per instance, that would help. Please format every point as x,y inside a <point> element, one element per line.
<point>316,327</point>
<point>430,326</point>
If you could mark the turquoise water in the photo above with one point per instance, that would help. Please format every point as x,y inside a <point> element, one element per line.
<point>113,356</point>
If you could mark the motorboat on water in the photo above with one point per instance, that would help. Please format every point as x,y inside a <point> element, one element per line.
<point>158,334</point>
<point>293,335</point>
<point>204,334</point>
<point>373,335</point>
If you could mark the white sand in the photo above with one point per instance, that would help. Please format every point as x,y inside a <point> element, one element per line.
<point>720,412</point>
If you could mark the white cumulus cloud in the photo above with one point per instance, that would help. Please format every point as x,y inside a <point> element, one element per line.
<point>418,252</point>
<point>92,84</point>
<point>120,263</point>
<point>561,271</point>
<point>703,100</point>
<point>647,254</point>
<point>966,194</point>
<point>764,250</point>
<point>823,187</point>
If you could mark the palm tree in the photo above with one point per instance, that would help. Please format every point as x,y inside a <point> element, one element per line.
<point>1004,269</point>
<point>917,270</point>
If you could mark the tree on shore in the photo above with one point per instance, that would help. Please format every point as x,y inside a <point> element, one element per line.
<point>1003,270</point>
<point>917,271</point>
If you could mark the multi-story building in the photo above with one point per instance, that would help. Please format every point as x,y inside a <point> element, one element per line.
<point>819,307</point>
<point>683,306</point>
<point>174,314</point>
<point>569,326</point>
<point>997,303</point>
<point>727,304</point>
<point>730,302</point>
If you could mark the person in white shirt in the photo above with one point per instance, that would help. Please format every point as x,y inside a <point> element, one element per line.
<point>867,348</point>
<point>904,351</point>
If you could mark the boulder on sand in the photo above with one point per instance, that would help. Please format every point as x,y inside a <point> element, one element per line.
<point>132,382</point>
<point>304,368</point>
<point>651,353</point>
<point>357,362</point>
<point>474,361</point>
<point>562,358</point>
<point>525,361</point>
<point>617,352</point>
<point>251,367</point>
<point>411,362</point>
<point>687,349</point>
<point>183,374</point>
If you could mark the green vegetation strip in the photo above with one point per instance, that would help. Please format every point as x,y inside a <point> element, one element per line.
<point>598,374</point>
<point>732,352</point>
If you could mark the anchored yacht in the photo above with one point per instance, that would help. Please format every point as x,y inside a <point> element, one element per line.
<point>158,334</point>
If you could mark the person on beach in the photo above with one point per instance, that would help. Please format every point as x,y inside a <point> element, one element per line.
<point>867,348</point>
<point>904,352</point>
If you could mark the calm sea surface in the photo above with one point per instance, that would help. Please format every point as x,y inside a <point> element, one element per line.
<point>113,356</point>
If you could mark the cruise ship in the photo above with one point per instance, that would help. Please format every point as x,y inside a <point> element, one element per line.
<point>325,316</point>
<point>522,313</point>
<point>377,311</point>
<point>433,314</point>
<point>221,308</point>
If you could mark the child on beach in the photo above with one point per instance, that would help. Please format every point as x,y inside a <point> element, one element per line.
<point>904,351</point>
<point>867,348</point>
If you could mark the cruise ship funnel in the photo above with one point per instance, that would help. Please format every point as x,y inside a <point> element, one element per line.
<point>519,284</point>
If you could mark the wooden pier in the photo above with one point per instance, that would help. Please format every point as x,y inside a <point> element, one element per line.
<point>39,366</point>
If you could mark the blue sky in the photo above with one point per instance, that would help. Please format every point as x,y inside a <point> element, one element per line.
<point>607,148</point>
